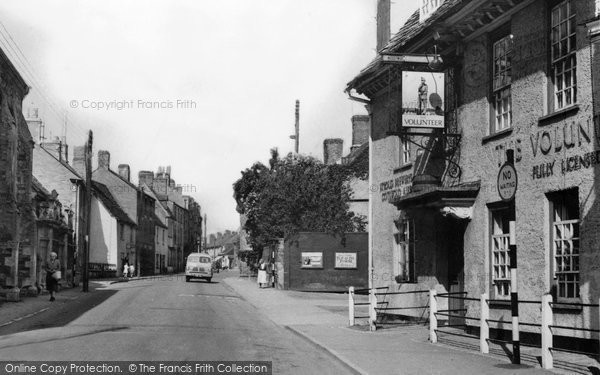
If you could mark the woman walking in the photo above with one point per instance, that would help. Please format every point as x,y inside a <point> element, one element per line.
<point>262,273</point>
<point>52,275</point>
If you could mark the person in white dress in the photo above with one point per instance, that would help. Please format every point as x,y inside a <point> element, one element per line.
<point>262,273</point>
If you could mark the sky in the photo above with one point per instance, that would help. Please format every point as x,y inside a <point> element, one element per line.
<point>207,87</point>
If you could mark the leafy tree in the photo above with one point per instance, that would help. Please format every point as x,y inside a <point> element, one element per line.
<point>294,194</point>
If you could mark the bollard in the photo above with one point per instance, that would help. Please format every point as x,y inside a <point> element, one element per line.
<point>547,318</point>
<point>484,326</point>
<point>351,305</point>
<point>432,317</point>
<point>514,294</point>
<point>372,311</point>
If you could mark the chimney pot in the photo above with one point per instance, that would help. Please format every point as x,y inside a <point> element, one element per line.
<point>124,171</point>
<point>332,150</point>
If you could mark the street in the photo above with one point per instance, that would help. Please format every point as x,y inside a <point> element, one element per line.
<point>165,318</point>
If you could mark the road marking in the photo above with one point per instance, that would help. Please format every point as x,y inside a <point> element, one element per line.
<point>23,317</point>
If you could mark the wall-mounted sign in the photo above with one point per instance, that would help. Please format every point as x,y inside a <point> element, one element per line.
<point>345,260</point>
<point>507,182</point>
<point>312,260</point>
<point>423,100</point>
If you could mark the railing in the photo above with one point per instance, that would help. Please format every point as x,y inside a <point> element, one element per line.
<point>375,307</point>
<point>546,325</point>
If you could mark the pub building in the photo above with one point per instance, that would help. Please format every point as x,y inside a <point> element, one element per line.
<point>509,80</point>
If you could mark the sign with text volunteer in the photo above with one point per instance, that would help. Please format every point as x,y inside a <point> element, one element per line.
<point>423,100</point>
<point>312,260</point>
<point>345,260</point>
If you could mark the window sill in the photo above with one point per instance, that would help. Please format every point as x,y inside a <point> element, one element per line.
<point>403,168</point>
<point>497,135</point>
<point>564,112</point>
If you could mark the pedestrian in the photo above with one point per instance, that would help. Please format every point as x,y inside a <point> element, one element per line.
<point>131,270</point>
<point>262,273</point>
<point>52,275</point>
<point>125,269</point>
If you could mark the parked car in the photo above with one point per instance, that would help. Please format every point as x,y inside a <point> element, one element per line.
<point>198,266</point>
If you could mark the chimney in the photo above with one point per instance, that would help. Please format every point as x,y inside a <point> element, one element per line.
<point>361,127</point>
<point>124,171</point>
<point>383,23</point>
<point>160,185</point>
<point>79,160</point>
<point>103,159</point>
<point>35,125</point>
<point>213,239</point>
<point>219,236</point>
<point>55,148</point>
<point>146,177</point>
<point>332,150</point>
<point>169,170</point>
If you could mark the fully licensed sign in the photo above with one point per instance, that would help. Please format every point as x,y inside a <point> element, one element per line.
<point>507,182</point>
<point>345,260</point>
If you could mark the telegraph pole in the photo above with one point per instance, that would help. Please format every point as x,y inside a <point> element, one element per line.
<point>88,208</point>
<point>296,135</point>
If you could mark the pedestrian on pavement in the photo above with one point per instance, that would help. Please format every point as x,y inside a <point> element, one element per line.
<point>131,270</point>
<point>262,273</point>
<point>52,275</point>
<point>125,269</point>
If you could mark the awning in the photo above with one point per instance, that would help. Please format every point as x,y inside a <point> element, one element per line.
<point>441,197</point>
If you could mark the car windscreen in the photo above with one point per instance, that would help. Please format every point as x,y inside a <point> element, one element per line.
<point>198,259</point>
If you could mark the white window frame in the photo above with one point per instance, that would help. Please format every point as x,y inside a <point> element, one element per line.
<point>501,83</point>
<point>565,245</point>
<point>563,42</point>
<point>500,254</point>
<point>405,151</point>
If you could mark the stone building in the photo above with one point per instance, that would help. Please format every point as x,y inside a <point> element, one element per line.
<point>126,196</point>
<point>112,234</point>
<point>53,233</point>
<point>17,218</point>
<point>517,76</point>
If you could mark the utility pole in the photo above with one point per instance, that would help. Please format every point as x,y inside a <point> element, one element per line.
<point>296,135</point>
<point>205,243</point>
<point>88,207</point>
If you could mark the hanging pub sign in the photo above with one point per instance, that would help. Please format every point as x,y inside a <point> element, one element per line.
<point>423,100</point>
<point>507,182</point>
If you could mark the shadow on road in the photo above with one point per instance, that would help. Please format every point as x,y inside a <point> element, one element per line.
<point>61,312</point>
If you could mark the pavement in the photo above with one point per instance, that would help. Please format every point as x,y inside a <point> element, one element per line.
<point>322,318</point>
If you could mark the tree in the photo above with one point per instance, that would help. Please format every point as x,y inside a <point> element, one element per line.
<point>296,193</point>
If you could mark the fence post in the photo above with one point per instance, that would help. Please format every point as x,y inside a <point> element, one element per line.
<point>432,317</point>
<point>351,305</point>
<point>484,325</point>
<point>372,311</point>
<point>547,361</point>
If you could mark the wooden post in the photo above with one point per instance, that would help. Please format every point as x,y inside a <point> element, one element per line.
<point>372,311</point>
<point>547,318</point>
<point>514,295</point>
<point>484,326</point>
<point>432,317</point>
<point>351,305</point>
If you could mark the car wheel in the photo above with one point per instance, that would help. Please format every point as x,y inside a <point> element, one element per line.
<point>208,279</point>
<point>187,279</point>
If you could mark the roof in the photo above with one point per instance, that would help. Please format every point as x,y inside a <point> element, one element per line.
<point>410,30</point>
<point>158,222</point>
<point>356,153</point>
<point>62,162</point>
<point>104,195</point>
<point>462,195</point>
<point>39,189</point>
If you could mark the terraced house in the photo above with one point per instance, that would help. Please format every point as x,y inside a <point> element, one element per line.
<point>462,88</point>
